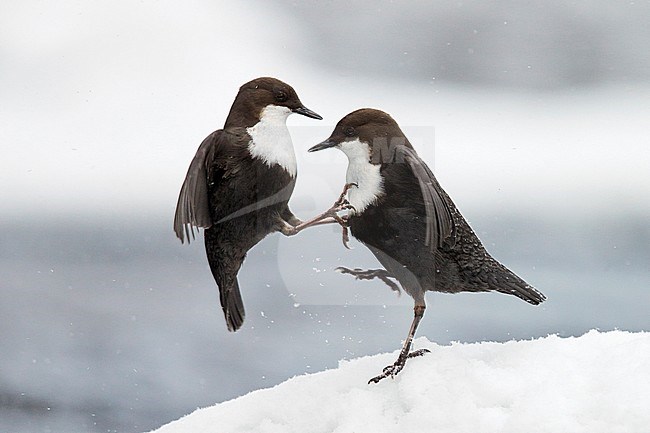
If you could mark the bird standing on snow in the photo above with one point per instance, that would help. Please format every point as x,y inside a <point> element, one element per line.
<point>401,213</point>
<point>239,183</point>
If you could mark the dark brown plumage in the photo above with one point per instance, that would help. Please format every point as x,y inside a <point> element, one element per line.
<point>408,221</point>
<point>239,183</point>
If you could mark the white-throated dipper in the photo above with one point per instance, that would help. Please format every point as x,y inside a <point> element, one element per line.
<point>401,213</point>
<point>239,183</point>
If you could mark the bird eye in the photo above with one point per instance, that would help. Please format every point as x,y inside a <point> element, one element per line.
<point>350,131</point>
<point>281,96</point>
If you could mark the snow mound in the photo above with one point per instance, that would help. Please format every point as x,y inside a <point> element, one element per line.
<point>599,382</point>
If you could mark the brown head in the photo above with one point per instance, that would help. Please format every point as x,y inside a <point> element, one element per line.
<point>256,95</point>
<point>366,128</point>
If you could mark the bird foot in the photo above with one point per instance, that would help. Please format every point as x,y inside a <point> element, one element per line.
<point>343,202</point>
<point>327,217</point>
<point>392,370</point>
<point>369,274</point>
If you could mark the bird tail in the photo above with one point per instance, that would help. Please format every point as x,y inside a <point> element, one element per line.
<point>506,281</point>
<point>224,265</point>
<point>232,304</point>
<point>229,294</point>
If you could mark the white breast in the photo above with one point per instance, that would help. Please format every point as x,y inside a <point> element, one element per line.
<point>363,173</point>
<point>270,139</point>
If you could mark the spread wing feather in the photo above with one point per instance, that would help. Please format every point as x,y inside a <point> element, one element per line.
<point>192,209</point>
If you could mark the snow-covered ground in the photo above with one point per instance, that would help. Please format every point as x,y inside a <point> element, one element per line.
<point>596,383</point>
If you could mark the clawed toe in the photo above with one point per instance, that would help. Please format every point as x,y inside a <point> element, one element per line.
<point>346,237</point>
<point>389,371</point>
<point>342,205</point>
<point>369,274</point>
<point>393,370</point>
<point>342,202</point>
<point>418,352</point>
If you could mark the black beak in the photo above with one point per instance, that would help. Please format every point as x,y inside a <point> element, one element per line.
<point>307,112</point>
<point>323,145</point>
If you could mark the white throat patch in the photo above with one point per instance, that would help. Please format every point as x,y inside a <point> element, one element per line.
<point>363,173</point>
<point>270,139</point>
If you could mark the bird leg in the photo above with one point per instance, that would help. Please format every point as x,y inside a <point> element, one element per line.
<point>370,274</point>
<point>294,220</point>
<point>405,353</point>
<point>328,217</point>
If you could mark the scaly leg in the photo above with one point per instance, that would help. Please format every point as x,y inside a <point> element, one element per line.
<point>406,353</point>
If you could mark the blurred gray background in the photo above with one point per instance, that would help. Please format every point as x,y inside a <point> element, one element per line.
<point>533,116</point>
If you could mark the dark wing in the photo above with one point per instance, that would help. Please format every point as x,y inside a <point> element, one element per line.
<point>193,209</point>
<point>440,222</point>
